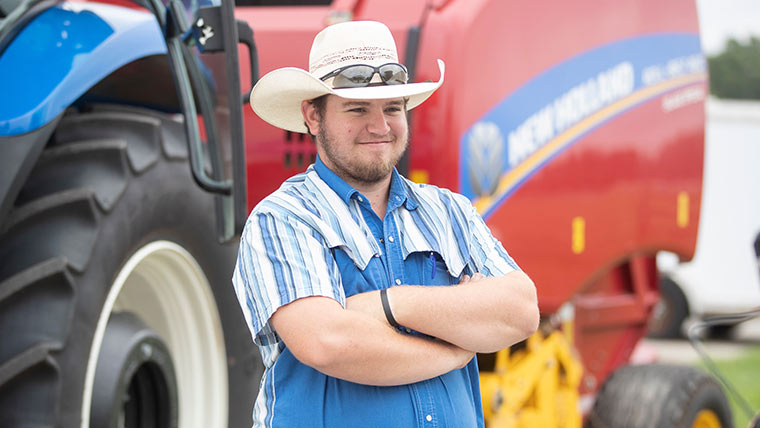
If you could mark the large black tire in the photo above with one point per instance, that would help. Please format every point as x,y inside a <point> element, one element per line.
<point>669,314</point>
<point>109,212</point>
<point>659,396</point>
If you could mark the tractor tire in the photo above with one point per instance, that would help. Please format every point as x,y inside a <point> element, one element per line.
<point>116,306</point>
<point>669,314</point>
<point>660,396</point>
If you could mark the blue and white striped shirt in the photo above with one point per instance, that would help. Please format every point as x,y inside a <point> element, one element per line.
<point>317,236</point>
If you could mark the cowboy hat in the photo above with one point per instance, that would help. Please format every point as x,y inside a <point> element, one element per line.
<point>277,96</point>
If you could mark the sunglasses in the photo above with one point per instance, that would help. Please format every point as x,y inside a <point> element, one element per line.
<point>359,75</point>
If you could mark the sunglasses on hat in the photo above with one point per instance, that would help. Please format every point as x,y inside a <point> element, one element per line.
<point>359,75</point>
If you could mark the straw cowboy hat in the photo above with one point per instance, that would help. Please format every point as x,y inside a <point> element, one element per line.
<point>335,61</point>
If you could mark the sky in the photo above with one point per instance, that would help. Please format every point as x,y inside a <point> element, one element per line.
<point>720,20</point>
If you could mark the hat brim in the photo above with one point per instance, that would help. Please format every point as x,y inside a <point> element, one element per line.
<point>277,96</point>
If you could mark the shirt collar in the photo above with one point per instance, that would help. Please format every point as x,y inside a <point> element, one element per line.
<point>397,194</point>
<point>337,184</point>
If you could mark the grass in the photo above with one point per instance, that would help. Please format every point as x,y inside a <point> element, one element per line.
<point>744,374</point>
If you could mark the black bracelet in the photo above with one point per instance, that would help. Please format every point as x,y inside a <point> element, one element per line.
<point>387,307</point>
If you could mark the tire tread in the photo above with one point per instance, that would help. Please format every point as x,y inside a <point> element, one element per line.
<point>657,396</point>
<point>141,133</point>
<point>48,240</point>
<point>98,165</point>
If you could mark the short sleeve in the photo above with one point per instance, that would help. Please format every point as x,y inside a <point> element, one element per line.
<point>280,260</point>
<point>486,252</point>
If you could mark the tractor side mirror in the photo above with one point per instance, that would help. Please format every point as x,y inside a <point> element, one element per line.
<point>203,55</point>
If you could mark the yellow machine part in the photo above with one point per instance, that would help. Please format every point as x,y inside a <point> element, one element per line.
<point>536,386</point>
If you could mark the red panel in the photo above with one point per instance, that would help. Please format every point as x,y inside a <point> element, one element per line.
<point>493,47</point>
<point>623,179</point>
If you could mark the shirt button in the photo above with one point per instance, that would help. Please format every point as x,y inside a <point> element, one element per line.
<point>360,199</point>
<point>390,238</point>
<point>398,281</point>
<point>428,418</point>
<point>398,198</point>
<point>408,330</point>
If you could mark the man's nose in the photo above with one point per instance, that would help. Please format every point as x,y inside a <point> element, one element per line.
<point>378,123</point>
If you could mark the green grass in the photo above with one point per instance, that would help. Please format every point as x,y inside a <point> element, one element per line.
<point>744,374</point>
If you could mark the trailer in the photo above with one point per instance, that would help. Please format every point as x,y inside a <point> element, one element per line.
<point>729,230</point>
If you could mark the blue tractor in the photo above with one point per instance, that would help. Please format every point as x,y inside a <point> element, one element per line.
<point>122,191</point>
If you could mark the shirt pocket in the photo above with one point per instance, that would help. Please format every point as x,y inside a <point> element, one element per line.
<point>435,271</point>
<point>356,280</point>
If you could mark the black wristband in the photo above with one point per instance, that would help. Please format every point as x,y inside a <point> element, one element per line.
<point>387,307</point>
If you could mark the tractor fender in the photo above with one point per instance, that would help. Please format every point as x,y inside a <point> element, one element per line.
<point>62,53</point>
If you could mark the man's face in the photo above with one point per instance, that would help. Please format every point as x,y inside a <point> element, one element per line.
<point>361,140</point>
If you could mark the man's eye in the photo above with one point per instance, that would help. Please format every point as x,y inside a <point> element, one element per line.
<point>393,109</point>
<point>357,110</point>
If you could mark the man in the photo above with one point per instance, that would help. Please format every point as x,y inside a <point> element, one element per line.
<point>368,294</point>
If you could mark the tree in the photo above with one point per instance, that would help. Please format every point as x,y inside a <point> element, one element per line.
<point>735,72</point>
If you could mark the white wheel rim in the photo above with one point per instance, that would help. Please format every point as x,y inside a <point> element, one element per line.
<point>165,287</point>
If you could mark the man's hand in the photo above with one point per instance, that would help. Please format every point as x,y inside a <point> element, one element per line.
<point>467,279</point>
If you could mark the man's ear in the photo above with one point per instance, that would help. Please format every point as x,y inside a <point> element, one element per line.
<point>310,116</point>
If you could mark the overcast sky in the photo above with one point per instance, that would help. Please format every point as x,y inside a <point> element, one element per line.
<point>720,20</point>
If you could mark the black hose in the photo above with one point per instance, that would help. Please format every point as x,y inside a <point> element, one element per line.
<point>693,335</point>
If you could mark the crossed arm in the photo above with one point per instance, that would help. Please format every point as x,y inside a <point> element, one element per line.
<point>480,314</point>
<point>358,345</point>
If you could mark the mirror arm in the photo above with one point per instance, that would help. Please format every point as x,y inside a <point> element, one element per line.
<point>186,70</point>
<point>195,149</point>
<point>245,36</point>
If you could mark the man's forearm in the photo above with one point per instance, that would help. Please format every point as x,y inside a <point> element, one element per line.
<point>482,316</point>
<point>377,355</point>
<point>354,346</point>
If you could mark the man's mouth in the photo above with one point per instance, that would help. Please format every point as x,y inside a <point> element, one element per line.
<point>375,142</point>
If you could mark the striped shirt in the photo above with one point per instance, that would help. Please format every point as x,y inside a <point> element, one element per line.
<point>317,236</point>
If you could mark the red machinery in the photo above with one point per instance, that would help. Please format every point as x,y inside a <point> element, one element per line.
<point>576,128</point>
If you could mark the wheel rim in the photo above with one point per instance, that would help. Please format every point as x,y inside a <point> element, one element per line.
<point>135,385</point>
<point>706,418</point>
<point>165,288</point>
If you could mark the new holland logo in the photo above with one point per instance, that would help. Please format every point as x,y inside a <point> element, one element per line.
<point>486,147</point>
<point>546,115</point>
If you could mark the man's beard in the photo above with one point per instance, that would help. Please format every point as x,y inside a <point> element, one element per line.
<point>367,173</point>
